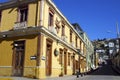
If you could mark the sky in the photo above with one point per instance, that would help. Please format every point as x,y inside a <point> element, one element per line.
<point>3,1</point>
<point>97,18</point>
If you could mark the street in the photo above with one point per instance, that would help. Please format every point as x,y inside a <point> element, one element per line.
<point>105,69</point>
<point>105,72</point>
<point>87,77</point>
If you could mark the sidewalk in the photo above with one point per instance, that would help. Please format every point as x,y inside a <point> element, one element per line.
<point>15,78</point>
<point>72,77</point>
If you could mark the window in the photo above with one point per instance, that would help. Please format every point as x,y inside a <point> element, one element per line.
<point>69,59</point>
<point>76,41</point>
<point>23,13</point>
<point>80,44</point>
<point>50,21</point>
<point>70,36</point>
<point>63,30</point>
<point>51,17</point>
<point>83,48</point>
<point>60,57</point>
<point>77,64</point>
<point>0,16</point>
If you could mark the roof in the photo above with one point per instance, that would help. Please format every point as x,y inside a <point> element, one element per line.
<point>77,25</point>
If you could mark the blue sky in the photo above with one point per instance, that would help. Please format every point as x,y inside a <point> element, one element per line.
<point>3,0</point>
<point>96,17</point>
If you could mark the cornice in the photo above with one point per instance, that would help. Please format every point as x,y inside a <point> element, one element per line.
<point>35,31</point>
<point>64,18</point>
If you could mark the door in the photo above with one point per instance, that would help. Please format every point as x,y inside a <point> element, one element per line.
<point>18,58</point>
<point>73,64</point>
<point>65,63</point>
<point>77,65</point>
<point>48,58</point>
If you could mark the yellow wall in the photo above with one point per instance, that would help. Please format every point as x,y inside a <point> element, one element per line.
<point>67,27</point>
<point>6,57</point>
<point>9,17</point>
<point>56,67</point>
<point>31,14</point>
<point>46,15</point>
<point>55,64</point>
<point>6,53</point>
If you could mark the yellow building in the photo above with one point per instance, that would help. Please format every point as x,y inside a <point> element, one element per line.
<point>37,41</point>
<point>96,60</point>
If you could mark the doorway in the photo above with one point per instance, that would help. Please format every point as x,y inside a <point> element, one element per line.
<point>48,57</point>
<point>74,65</point>
<point>65,63</point>
<point>18,58</point>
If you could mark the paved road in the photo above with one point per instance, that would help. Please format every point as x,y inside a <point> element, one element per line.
<point>103,73</point>
<point>105,70</point>
<point>100,77</point>
<point>87,77</point>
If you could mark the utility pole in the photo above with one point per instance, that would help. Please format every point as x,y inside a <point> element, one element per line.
<point>118,34</point>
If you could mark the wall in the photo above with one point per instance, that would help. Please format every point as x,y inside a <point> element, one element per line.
<point>6,54</point>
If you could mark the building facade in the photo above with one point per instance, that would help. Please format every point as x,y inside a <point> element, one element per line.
<point>88,46</point>
<point>37,41</point>
<point>90,56</point>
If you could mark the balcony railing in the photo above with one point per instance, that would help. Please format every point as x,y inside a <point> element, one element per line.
<point>64,38</point>
<point>52,29</point>
<point>20,25</point>
<point>72,44</point>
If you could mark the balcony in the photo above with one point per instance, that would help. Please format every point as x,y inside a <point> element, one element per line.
<point>72,44</point>
<point>64,38</point>
<point>52,29</point>
<point>20,25</point>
